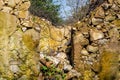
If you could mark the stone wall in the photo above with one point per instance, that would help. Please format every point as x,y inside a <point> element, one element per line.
<point>28,43</point>
<point>96,43</point>
<point>22,37</point>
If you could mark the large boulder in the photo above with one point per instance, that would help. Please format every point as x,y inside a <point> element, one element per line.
<point>16,56</point>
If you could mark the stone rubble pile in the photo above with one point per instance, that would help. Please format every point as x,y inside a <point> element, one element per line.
<point>31,48</point>
<point>23,37</point>
<point>96,43</point>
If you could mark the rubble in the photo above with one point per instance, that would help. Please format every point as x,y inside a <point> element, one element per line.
<point>31,48</point>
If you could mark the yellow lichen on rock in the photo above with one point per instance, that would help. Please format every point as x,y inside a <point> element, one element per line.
<point>31,39</point>
<point>109,65</point>
<point>116,22</point>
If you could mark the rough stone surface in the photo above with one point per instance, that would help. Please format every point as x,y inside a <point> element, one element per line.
<point>23,14</point>
<point>92,48</point>
<point>95,34</point>
<point>7,9</point>
<point>100,55</point>
<point>110,18</point>
<point>100,13</point>
<point>84,52</point>
<point>11,3</point>
<point>96,21</point>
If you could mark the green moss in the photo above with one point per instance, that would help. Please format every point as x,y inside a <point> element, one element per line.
<point>53,72</point>
<point>88,75</point>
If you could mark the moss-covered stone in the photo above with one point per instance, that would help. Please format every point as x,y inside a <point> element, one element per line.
<point>17,46</point>
<point>88,75</point>
<point>109,65</point>
<point>7,28</point>
<point>31,39</point>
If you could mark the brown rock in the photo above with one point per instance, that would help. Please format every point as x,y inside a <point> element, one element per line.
<point>71,74</point>
<point>96,66</point>
<point>110,18</point>
<point>91,48</point>
<point>76,50</point>
<point>114,33</point>
<point>100,13</point>
<point>96,34</point>
<point>81,39</point>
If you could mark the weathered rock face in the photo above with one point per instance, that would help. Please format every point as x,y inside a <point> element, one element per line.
<point>101,54</point>
<point>52,38</point>
<point>16,56</point>
<point>22,37</point>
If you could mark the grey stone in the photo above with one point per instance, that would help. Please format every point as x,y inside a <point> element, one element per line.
<point>14,66</point>
<point>102,41</point>
<point>61,55</point>
<point>55,61</point>
<point>67,67</point>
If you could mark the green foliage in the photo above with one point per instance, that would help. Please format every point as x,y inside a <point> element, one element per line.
<point>52,71</point>
<point>46,9</point>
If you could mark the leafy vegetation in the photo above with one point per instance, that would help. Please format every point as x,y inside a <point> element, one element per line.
<point>53,72</point>
<point>46,9</point>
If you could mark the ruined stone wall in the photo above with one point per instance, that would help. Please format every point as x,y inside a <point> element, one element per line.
<point>22,37</point>
<point>28,42</point>
<point>96,43</point>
